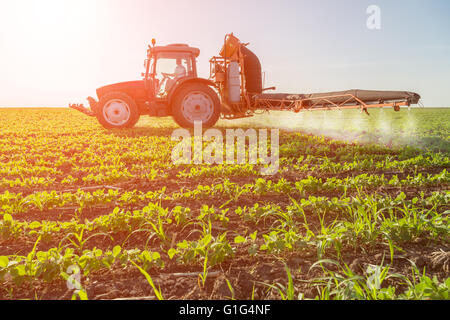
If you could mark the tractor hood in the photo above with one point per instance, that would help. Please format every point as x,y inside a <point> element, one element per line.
<point>130,87</point>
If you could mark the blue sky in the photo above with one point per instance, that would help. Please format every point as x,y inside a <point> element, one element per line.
<point>58,51</point>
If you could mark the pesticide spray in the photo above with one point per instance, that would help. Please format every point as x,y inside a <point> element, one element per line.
<point>382,127</point>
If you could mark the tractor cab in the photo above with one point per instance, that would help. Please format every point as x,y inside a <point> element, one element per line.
<point>166,65</point>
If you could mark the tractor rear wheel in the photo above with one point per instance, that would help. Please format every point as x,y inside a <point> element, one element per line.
<point>195,102</point>
<point>117,110</point>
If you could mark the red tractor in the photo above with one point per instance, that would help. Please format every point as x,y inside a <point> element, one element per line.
<point>162,92</point>
<point>171,87</point>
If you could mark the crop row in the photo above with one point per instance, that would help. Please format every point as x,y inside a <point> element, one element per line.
<point>362,220</point>
<point>16,203</point>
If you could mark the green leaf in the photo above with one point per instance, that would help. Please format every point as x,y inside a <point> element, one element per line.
<point>82,294</point>
<point>98,252</point>
<point>7,217</point>
<point>183,245</point>
<point>21,270</point>
<point>156,256</point>
<point>146,256</point>
<point>207,239</point>
<point>34,225</point>
<point>83,261</point>
<point>106,262</point>
<point>239,239</point>
<point>4,261</point>
<point>172,252</point>
<point>150,281</point>
<point>116,251</point>
<point>401,196</point>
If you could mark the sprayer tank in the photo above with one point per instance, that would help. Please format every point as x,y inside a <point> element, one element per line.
<point>234,83</point>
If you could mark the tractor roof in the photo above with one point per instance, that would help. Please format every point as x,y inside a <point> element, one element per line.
<point>177,47</point>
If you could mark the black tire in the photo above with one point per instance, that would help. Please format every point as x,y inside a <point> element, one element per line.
<point>130,108</point>
<point>179,111</point>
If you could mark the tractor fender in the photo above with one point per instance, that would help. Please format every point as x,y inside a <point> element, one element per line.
<point>182,82</point>
<point>134,89</point>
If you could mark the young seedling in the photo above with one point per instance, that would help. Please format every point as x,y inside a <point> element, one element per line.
<point>157,292</point>
<point>202,277</point>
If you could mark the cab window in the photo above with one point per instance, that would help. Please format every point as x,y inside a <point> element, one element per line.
<point>171,66</point>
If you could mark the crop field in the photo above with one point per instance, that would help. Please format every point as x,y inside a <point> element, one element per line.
<point>359,209</point>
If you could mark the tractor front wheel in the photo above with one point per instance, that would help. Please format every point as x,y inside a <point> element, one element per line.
<point>117,110</point>
<point>196,102</point>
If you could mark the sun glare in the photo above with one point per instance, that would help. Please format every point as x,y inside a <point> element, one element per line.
<point>45,40</point>
<point>53,22</point>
